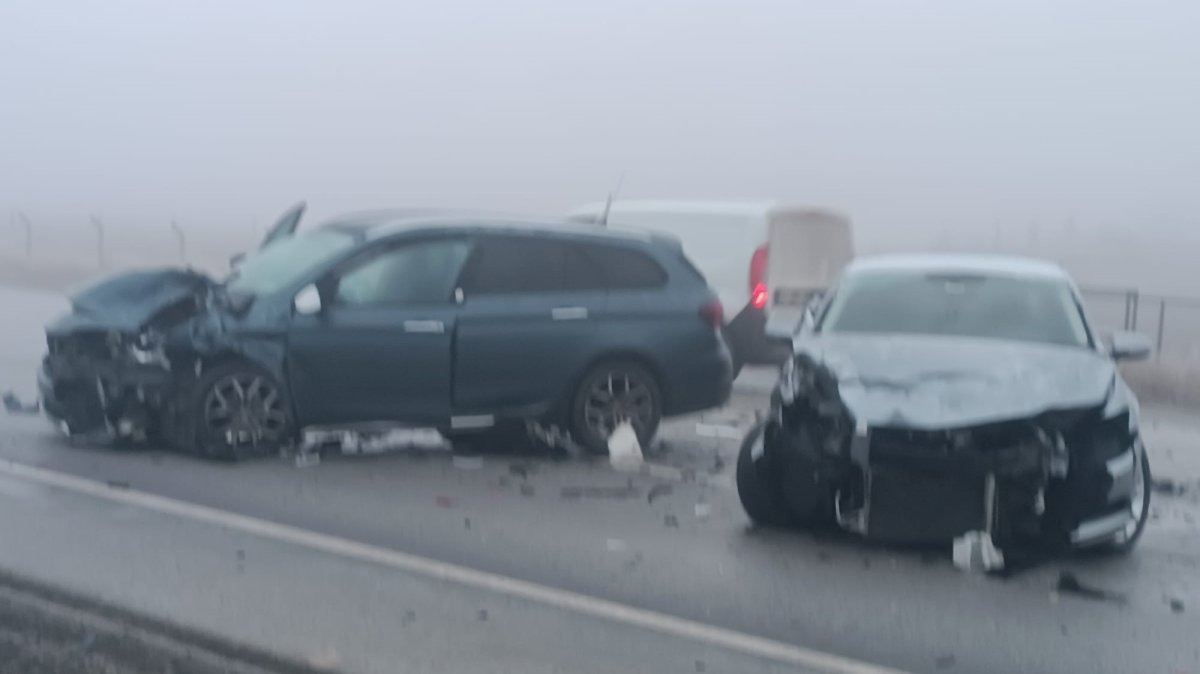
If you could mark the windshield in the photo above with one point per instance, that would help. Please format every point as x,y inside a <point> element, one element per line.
<point>283,263</point>
<point>962,305</point>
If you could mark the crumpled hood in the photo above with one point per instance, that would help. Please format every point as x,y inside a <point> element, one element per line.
<point>926,382</point>
<point>127,302</point>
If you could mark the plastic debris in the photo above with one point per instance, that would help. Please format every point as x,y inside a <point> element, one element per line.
<point>467,462</point>
<point>703,511</point>
<point>308,459</point>
<point>719,431</point>
<point>975,551</point>
<point>15,405</point>
<point>624,450</point>
<point>658,490</point>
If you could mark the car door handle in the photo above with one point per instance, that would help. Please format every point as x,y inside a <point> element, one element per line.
<point>436,327</point>
<point>568,313</point>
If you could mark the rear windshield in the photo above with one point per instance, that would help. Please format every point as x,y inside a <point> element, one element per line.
<point>963,305</point>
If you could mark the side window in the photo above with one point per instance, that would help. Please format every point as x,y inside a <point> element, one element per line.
<point>519,264</point>
<point>416,273</point>
<point>625,268</point>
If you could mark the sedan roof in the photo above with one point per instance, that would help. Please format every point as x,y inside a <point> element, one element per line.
<point>990,265</point>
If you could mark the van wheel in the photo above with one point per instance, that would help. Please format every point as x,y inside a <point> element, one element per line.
<point>761,495</point>
<point>609,395</point>
<point>240,411</point>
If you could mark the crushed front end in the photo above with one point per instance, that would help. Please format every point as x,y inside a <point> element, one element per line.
<point>107,370</point>
<point>1052,477</point>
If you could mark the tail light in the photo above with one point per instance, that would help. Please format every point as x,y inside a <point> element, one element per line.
<point>713,314</point>
<point>758,273</point>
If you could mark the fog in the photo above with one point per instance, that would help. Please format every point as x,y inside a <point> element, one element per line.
<point>1066,129</point>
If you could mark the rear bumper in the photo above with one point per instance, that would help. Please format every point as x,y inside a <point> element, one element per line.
<point>705,383</point>
<point>89,396</point>
<point>747,337</point>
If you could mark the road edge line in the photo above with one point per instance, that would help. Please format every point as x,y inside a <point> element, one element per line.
<point>595,607</point>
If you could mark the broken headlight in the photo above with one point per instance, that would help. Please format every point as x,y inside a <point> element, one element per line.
<point>147,349</point>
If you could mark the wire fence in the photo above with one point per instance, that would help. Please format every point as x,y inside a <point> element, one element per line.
<point>1172,322</point>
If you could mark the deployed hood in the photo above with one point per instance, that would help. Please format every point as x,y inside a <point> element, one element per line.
<point>927,382</point>
<point>127,302</point>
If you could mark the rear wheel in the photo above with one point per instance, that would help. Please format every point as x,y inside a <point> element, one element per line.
<point>609,395</point>
<point>761,494</point>
<point>240,411</point>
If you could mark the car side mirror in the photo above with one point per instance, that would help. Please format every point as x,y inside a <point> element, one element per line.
<point>308,301</point>
<point>1130,346</point>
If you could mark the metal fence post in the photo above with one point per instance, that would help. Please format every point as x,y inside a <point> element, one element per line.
<point>1162,318</point>
<point>1134,316</point>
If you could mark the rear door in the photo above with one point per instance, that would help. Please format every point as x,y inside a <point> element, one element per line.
<point>526,324</point>
<point>380,349</point>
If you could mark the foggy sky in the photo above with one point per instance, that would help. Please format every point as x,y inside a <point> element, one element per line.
<point>931,116</point>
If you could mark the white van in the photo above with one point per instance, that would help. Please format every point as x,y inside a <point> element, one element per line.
<point>762,258</point>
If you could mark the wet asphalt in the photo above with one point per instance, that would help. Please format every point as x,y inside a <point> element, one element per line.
<point>672,539</point>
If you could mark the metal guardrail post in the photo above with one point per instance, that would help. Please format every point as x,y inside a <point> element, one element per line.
<point>1128,309</point>
<point>1134,315</point>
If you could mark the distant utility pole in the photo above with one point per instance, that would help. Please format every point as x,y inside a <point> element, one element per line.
<point>99,239</point>
<point>181,238</point>
<point>28,233</point>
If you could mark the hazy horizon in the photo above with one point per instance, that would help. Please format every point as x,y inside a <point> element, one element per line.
<point>923,121</point>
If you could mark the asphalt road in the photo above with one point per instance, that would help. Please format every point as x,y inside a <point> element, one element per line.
<point>599,571</point>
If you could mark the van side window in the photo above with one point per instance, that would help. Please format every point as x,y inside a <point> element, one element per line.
<point>625,268</point>
<point>518,264</point>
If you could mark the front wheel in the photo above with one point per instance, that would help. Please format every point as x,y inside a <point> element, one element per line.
<point>241,410</point>
<point>612,394</point>
<point>761,494</point>
<point>1139,508</point>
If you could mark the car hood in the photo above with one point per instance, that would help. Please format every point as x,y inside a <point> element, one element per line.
<point>922,382</point>
<point>128,302</point>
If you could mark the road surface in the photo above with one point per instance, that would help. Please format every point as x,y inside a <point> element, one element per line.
<point>415,560</point>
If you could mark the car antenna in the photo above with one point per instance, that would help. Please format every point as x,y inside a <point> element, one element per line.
<point>603,221</point>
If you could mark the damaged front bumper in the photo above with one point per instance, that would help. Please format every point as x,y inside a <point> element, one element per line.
<point>1072,480</point>
<point>88,395</point>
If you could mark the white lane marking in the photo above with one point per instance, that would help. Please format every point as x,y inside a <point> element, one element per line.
<point>549,596</point>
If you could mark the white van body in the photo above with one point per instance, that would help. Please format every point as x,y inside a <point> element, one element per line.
<point>805,248</point>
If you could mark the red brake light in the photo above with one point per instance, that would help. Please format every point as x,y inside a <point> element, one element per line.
<point>758,267</point>
<point>758,296</point>
<point>713,314</point>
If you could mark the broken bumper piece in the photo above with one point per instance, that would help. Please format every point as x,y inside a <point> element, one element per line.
<point>88,396</point>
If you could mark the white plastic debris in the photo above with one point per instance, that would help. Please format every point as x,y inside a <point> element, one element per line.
<point>703,510</point>
<point>975,551</point>
<point>308,459</point>
<point>467,462</point>
<point>624,450</point>
<point>719,431</point>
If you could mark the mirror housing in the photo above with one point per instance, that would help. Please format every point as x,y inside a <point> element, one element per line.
<point>1129,346</point>
<point>308,301</point>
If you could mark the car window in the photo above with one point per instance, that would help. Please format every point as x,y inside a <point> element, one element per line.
<point>625,268</point>
<point>416,273</point>
<point>285,262</point>
<point>516,264</point>
<point>1022,309</point>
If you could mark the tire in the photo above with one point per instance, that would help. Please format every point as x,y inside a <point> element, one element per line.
<point>628,390</point>
<point>240,410</point>
<point>761,495</point>
<point>1125,541</point>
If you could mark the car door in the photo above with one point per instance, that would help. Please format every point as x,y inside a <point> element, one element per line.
<point>379,349</point>
<point>526,325</point>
